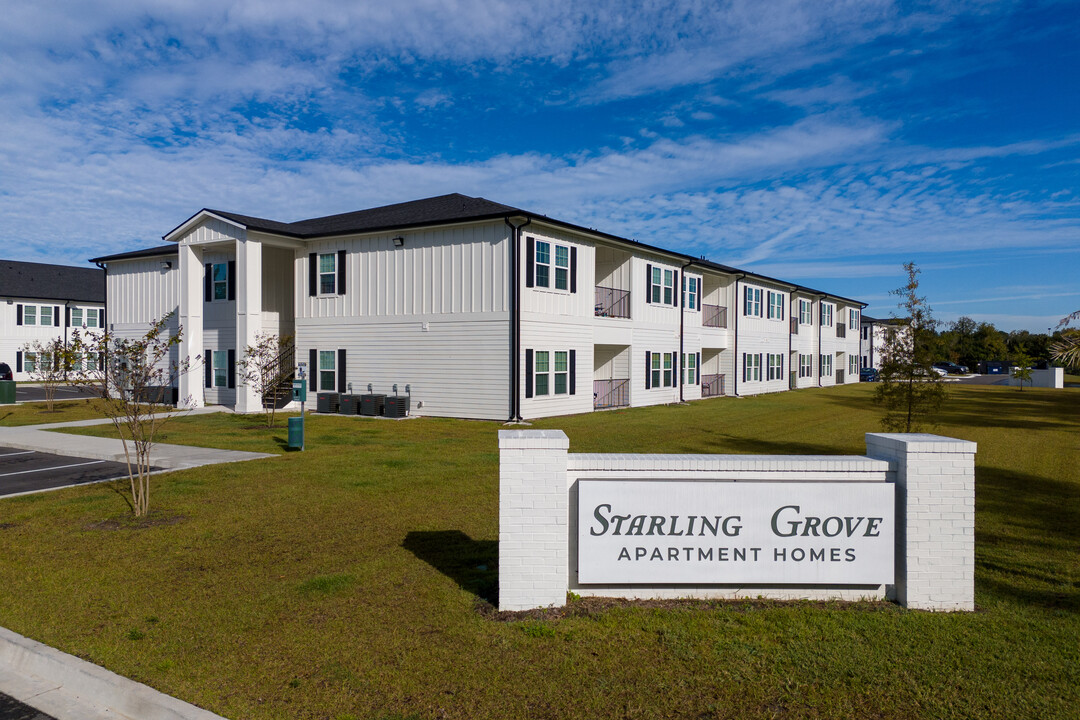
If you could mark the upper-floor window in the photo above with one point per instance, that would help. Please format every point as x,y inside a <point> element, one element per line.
<point>85,317</point>
<point>328,274</point>
<point>853,319</point>
<point>692,292</point>
<point>221,281</point>
<point>30,315</point>
<point>776,305</point>
<point>562,267</point>
<point>552,260</point>
<point>806,312</point>
<point>826,315</point>
<point>752,302</point>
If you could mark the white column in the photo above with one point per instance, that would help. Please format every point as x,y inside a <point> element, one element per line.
<point>935,518</point>
<point>191,322</point>
<point>248,313</point>
<point>533,519</point>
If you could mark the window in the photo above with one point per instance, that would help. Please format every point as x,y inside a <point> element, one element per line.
<point>76,317</point>
<point>655,370</point>
<point>30,362</point>
<point>220,276</point>
<point>30,315</point>
<point>806,366</point>
<point>669,380</point>
<point>669,287</point>
<point>826,315</point>
<point>866,333</point>
<point>691,293</point>
<point>562,365</point>
<point>562,268</point>
<point>752,303</point>
<point>853,319</point>
<point>776,306</point>
<point>655,284</point>
<point>93,317</point>
<point>542,367</point>
<point>826,365</point>
<point>328,370</point>
<point>752,366</point>
<point>853,365</point>
<point>806,315</point>
<point>689,363</point>
<point>776,367</point>
<point>45,315</point>
<point>327,274</point>
<point>221,368</point>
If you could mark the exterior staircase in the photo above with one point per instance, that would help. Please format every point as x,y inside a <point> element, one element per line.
<point>282,369</point>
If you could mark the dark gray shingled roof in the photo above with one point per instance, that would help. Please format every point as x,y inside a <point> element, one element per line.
<point>40,281</point>
<point>170,249</point>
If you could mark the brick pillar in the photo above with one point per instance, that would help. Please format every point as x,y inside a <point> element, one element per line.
<point>533,519</point>
<point>935,518</point>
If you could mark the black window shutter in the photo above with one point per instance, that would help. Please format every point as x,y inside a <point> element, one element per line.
<point>208,282</point>
<point>676,298</point>
<point>697,364</point>
<point>232,280</point>
<point>530,260</point>
<point>648,290</point>
<point>208,363</point>
<point>648,370</point>
<point>676,369</point>
<point>313,274</point>
<point>341,272</point>
<point>313,370</point>
<point>341,370</point>
<point>745,370</point>
<point>573,372</point>
<point>529,372</point>
<point>18,315</point>
<point>101,366</point>
<point>18,359</point>
<point>573,274</point>
<point>232,368</point>
<point>101,318</point>
<point>67,317</point>
<point>56,315</point>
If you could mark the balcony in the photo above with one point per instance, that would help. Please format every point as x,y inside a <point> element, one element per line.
<point>841,330</point>
<point>712,385</point>
<point>839,377</point>
<point>713,316</point>
<point>610,394</point>
<point>611,302</point>
<point>794,326</point>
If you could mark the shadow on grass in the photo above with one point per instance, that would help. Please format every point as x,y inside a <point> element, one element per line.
<point>472,564</point>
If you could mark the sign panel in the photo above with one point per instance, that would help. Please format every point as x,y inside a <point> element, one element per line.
<point>699,533</point>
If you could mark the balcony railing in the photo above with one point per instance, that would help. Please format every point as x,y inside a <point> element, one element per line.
<point>611,302</point>
<point>712,385</point>
<point>610,393</point>
<point>713,316</point>
<point>839,377</point>
<point>841,330</point>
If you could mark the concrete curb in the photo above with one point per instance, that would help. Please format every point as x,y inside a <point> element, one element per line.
<point>76,689</point>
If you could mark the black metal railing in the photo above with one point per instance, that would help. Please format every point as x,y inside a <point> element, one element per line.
<point>279,374</point>
<point>841,330</point>
<point>610,393</point>
<point>611,302</point>
<point>712,385</point>
<point>713,315</point>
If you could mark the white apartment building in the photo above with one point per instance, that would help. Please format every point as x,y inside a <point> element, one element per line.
<point>481,309</point>
<point>42,302</point>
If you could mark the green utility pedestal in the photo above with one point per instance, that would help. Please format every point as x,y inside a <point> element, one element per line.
<point>7,392</point>
<point>296,433</point>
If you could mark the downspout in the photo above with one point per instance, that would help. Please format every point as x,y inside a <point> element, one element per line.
<point>67,314</point>
<point>791,306</point>
<point>515,318</point>
<point>735,352</point>
<point>105,330</point>
<point>682,328</point>
<point>820,354</point>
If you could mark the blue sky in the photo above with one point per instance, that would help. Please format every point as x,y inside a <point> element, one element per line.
<point>821,142</point>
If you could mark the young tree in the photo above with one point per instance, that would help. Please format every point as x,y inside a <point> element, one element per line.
<point>266,366</point>
<point>134,378</point>
<point>1022,368</point>
<point>47,363</point>
<point>909,390</point>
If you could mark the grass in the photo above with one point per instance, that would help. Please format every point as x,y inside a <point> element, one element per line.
<point>37,414</point>
<point>354,580</point>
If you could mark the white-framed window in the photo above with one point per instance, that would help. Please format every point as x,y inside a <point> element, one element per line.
<point>669,379</point>
<point>327,370</point>
<point>93,317</point>
<point>692,292</point>
<point>220,279</point>
<point>562,369</point>
<point>77,317</point>
<point>689,363</point>
<point>30,315</point>
<point>543,264</point>
<point>752,302</point>
<point>30,362</point>
<point>826,365</point>
<point>669,287</point>
<point>853,319</point>
<point>806,312</point>
<point>655,361</point>
<point>776,305</point>
<point>853,364</point>
<point>551,372</point>
<point>826,315</point>
<point>45,315</point>
<point>806,366</point>
<point>221,368</point>
<point>327,274</point>
<point>751,367</point>
<point>542,372</point>
<point>562,267</point>
<point>775,366</point>
<point>656,283</point>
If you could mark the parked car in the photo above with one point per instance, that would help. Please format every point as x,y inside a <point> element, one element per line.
<point>869,375</point>
<point>5,372</point>
<point>950,368</point>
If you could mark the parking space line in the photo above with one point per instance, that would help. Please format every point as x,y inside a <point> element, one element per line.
<point>27,452</point>
<point>58,467</point>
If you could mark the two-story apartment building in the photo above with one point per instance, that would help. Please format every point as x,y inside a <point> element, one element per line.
<point>483,310</point>
<point>40,302</point>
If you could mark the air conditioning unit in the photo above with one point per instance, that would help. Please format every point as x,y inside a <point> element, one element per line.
<point>328,402</point>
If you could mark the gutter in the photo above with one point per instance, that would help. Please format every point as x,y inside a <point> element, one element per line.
<point>735,349</point>
<point>515,317</point>
<point>104,328</point>
<point>682,328</point>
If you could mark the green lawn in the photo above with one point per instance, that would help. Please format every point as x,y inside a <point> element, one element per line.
<point>353,580</point>
<point>37,414</point>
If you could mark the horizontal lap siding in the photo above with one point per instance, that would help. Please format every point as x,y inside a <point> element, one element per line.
<point>554,335</point>
<point>456,368</point>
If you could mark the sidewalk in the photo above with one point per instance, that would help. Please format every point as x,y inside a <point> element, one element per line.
<point>170,457</point>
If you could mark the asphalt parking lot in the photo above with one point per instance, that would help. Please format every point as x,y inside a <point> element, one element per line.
<point>12,709</point>
<point>32,393</point>
<point>24,471</point>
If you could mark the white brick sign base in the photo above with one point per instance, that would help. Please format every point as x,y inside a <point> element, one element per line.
<point>935,515</point>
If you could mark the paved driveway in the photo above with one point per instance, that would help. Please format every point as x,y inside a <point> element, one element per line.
<point>23,471</point>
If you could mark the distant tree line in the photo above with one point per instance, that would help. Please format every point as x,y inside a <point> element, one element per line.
<point>967,342</point>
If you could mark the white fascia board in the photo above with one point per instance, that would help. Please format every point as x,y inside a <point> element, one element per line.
<point>194,220</point>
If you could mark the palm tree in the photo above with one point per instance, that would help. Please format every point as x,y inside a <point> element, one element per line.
<point>1067,350</point>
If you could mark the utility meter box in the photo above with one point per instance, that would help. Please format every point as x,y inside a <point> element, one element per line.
<point>299,390</point>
